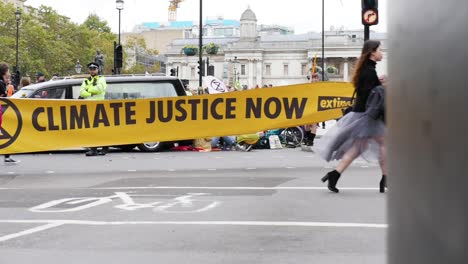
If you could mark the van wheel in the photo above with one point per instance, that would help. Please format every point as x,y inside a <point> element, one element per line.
<point>151,146</point>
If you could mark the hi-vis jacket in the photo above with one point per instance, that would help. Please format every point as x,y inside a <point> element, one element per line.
<point>93,88</point>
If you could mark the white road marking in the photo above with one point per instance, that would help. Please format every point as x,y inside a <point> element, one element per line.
<point>131,170</point>
<point>250,168</point>
<point>233,188</point>
<point>211,169</point>
<point>50,172</point>
<point>54,223</point>
<point>285,188</point>
<point>48,225</point>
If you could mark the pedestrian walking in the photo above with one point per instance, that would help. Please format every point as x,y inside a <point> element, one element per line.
<point>4,80</point>
<point>358,133</point>
<point>94,88</point>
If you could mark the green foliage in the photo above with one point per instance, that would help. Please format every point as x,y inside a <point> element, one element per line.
<point>51,43</point>
<point>332,70</point>
<point>211,48</point>
<point>94,23</point>
<point>136,45</point>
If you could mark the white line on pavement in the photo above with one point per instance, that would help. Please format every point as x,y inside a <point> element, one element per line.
<point>55,223</point>
<point>48,225</point>
<point>305,188</point>
<point>230,188</point>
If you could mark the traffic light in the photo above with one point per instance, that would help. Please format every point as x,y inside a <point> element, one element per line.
<point>173,72</point>
<point>118,56</point>
<point>370,12</point>
<point>201,68</point>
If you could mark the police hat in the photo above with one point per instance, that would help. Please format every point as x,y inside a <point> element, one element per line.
<point>92,65</point>
<point>39,74</point>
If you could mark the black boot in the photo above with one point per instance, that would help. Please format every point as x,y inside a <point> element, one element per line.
<point>103,151</point>
<point>310,139</point>
<point>332,178</point>
<point>383,183</point>
<point>91,152</point>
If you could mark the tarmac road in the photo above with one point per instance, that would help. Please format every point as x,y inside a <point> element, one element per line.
<point>264,206</point>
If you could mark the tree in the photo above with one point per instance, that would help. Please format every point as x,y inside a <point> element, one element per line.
<point>51,43</point>
<point>94,23</point>
<point>139,56</point>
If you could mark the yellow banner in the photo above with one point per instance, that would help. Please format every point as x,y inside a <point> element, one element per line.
<point>31,125</point>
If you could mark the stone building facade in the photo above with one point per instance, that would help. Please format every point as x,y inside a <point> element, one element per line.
<point>255,60</point>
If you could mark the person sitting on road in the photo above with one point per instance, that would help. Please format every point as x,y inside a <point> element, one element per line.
<point>224,143</point>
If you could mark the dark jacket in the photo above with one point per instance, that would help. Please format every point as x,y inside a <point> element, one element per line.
<point>3,88</point>
<point>375,107</point>
<point>368,79</point>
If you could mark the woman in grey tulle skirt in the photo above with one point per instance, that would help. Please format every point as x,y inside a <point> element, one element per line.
<point>361,131</point>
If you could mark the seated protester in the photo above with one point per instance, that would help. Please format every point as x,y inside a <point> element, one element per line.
<point>225,143</point>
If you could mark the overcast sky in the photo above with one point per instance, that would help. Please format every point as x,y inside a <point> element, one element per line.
<point>302,15</point>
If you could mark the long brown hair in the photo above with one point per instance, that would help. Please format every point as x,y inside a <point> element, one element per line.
<point>3,70</point>
<point>369,47</point>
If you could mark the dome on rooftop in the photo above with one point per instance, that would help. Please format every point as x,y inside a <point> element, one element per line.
<point>248,15</point>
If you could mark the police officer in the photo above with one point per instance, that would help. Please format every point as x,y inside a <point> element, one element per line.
<point>94,88</point>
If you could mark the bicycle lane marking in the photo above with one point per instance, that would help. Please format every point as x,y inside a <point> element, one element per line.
<point>188,203</point>
<point>48,225</point>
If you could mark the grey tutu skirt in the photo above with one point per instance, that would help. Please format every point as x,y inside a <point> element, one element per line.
<point>354,129</point>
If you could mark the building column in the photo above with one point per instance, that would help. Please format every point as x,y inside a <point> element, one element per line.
<point>259,73</point>
<point>345,70</point>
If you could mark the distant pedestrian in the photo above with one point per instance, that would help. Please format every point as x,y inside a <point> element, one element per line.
<point>25,81</point>
<point>94,88</point>
<point>40,77</point>
<point>358,133</point>
<point>4,79</point>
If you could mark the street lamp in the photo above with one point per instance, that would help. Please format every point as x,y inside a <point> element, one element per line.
<point>18,17</point>
<point>119,5</point>
<point>200,48</point>
<point>78,67</point>
<point>323,40</point>
<point>118,47</point>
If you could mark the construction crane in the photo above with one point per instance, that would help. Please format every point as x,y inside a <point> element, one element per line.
<point>173,5</point>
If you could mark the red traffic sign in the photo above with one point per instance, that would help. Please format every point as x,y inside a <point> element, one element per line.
<point>370,17</point>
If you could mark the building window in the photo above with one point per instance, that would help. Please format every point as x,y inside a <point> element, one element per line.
<point>242,69</point>
<point>286,69</point>
<point>192,72</point>
<point>304,69</point>
<point>267,69</point>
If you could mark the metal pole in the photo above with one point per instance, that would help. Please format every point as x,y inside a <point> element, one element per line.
<point>323,40</point>
<point>17,44</point>
<point>118,69</point>
<point>119,26</point>
<point>200,46</point>
<point>366,32</point>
